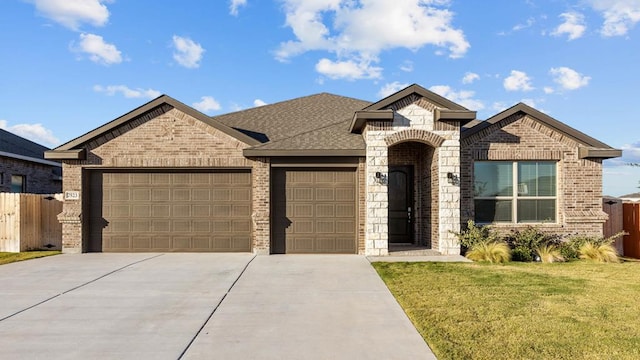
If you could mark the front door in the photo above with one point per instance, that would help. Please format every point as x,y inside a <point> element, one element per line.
<point>401,204</point>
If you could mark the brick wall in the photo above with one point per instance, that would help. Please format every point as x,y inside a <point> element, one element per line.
<point>520,137</point>
<point>40,178</point>
<point>162,138</point>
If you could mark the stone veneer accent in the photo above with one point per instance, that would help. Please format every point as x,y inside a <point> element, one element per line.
<point>521,137</point>
<point>413,121</point>
<point>163,138</point>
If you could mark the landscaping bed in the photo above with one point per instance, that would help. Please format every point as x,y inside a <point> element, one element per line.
<point>574,310</point>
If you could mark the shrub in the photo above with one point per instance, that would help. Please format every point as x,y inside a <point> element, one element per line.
<point>474,234</point>
<point>549,253</point>
<point>525,243</point>
<point>604,252</point>
<point>493,252</point>
<point>570,248</point>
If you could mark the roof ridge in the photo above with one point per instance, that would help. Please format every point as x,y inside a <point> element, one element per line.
<point>279,103</point>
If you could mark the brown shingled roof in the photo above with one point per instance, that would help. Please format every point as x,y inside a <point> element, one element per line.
<point>282,120</point>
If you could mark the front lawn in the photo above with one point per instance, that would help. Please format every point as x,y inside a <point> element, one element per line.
<point>576,310</point>
<point>7,257</point>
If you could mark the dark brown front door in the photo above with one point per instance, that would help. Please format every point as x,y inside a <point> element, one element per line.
<point>400,204</point>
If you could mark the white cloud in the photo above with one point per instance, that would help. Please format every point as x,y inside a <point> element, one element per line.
<point>391,88</point>
<point>206,104</point>
<point>259,102</point>
<point>235,5</point>
<point>631,152</point>
<point>72,13</point>
<point>527,24</point>
<point>518,81</point>
<point>619,15</point>
<point>187,52</point>
<point>573,25</point>
<point>470,77</point>
<point>34,132</point>
<point>499,106</point>
<point>568,78</point>
<point>530,102</point>
<point>126,91</point>
<point>357,31</point>
<point>407,66</point>
<point>462,97</point>
<point>350,69</point>
<point>548,90</point>
<point>98,50</point>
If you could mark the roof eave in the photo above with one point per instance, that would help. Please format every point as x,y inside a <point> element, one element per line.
<point>360,118</point>
<point>302,152</point>
<point>464,116</point>
<point>73,154</point>
<point>30,159</point>
<point>600,153</point>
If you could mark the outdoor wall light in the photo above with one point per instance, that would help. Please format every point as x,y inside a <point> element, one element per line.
<point>381,178</point>
<point>452,178</point>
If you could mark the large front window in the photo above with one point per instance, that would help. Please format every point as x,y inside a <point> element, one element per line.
<point>515,192</point>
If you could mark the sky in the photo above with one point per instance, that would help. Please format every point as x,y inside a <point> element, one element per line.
<point>70,66</point>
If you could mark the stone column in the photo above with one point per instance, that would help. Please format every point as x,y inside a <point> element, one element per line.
<point>377,221</point>
<point>449,196</point>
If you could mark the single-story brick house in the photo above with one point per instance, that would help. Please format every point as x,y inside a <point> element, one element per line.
<point>324,174</point>
<point>23,168</point>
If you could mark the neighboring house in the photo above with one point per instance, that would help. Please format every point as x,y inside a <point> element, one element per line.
<point>634,197</point>
<point>23,168</point>
<point>325,174</point>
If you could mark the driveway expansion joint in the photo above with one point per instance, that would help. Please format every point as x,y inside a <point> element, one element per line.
<point>78,287</point>
<point>216,308</point>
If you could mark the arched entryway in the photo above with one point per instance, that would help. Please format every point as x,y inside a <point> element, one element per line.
<point>413,195</point>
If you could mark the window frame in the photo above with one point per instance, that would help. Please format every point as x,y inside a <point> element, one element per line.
<point>23,185</point>
<point>515,197</point>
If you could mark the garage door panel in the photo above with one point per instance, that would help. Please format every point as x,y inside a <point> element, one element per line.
<point>313,211</point>
<point>189,211</point>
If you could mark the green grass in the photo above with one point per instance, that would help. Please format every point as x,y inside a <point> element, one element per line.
<point>576,310</point>
<point>6,257</point>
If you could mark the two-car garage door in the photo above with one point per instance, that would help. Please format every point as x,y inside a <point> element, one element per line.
<point>312,211</point>
<point>170,211</point>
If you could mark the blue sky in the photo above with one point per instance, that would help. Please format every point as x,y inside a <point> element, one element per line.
<point>69,66</point>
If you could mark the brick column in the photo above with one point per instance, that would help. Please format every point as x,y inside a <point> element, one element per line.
<point>449,196</point>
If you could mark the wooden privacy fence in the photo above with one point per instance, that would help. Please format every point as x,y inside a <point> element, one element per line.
<point>30,222</point>
<point>631,222</point>
<point>613,207</point>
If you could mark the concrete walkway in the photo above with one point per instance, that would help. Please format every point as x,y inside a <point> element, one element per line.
<point>201,306</point>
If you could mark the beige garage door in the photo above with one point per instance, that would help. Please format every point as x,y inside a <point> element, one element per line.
<point>170,211</point>
<point>314,211</point>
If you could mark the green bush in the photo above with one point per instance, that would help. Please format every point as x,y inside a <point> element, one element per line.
<point>570,248</point>
<point>525,243</point>
<point>493,252</point>
<point>473,234</point>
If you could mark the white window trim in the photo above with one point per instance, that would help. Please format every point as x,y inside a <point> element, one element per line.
<point>514,194</point>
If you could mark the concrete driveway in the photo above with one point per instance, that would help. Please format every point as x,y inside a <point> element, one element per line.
<point>201,306</point>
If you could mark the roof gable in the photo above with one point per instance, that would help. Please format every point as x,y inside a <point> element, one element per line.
<point>163,103</point>
<point>600,149</point>
<point>415,89</point>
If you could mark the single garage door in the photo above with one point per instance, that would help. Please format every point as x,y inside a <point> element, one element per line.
<point>314,211</point>
<point>170,211</point>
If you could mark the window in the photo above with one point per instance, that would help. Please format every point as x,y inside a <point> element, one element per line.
<point>17,183</point>
<point>515,192</point>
